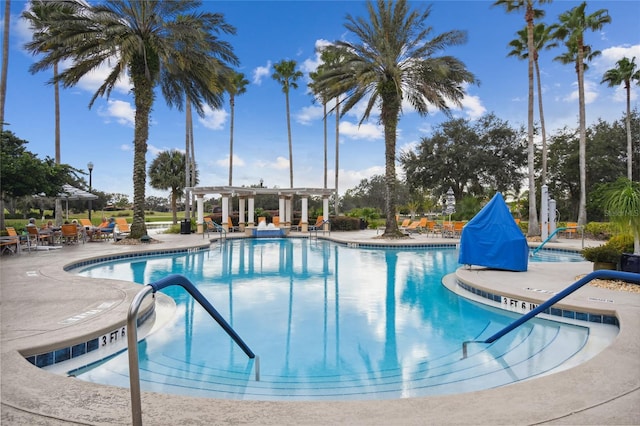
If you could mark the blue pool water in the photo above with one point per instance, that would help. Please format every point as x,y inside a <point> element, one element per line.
<point>328,322</point>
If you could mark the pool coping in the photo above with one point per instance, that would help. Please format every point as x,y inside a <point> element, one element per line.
<point>33,396</point>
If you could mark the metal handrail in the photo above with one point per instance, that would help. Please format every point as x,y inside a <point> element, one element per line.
<point>321,227</point>
<point>599,274</point>
<point>563,228</point>
<point>132,334</point>
<point>219,228</point>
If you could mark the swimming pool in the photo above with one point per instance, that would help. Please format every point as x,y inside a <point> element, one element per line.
<point>328,322</point>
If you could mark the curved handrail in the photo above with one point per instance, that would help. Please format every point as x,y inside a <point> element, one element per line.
<point>132,333</point>
<point>602,273</point>
<point>563,228</point>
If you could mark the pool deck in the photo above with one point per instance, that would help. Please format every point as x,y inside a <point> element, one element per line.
<point>42,306</point>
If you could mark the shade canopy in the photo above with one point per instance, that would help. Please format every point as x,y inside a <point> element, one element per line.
<point>493,239</point>
<point>72,193</point>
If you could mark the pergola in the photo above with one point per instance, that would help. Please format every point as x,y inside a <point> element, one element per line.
<point>247,196</point>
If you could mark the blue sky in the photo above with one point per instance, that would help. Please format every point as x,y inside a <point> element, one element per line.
<point>269,31</point>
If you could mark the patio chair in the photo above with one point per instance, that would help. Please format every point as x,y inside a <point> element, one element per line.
<point>12,239</point>
<point>405,223</point>
<point>231,226</point>
<point>36,237</point>
<point>276,221</point>
<point>70,233</point>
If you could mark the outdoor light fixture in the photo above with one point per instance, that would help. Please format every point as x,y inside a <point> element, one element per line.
<point>90,167</point>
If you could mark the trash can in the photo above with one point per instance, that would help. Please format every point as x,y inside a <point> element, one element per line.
<point>185,226</point>
<point>630,263</point>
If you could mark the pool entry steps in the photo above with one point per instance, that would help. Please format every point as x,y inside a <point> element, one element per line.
<point>600,274</point>
<point>132,337</point>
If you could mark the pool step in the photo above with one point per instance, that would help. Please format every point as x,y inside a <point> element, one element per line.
<point>525,353</point>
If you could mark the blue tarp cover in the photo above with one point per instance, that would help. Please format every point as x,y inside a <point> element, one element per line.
<point>493,239</point>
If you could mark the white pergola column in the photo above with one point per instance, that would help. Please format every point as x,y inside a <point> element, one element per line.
<point>304,214</point>
<point>225,211</point>
<point>325,212</point>
<point>200,220</point>
<point>282,210</point>
<point>288,210</point>
<point>241,209</point>
<point>252,209</point>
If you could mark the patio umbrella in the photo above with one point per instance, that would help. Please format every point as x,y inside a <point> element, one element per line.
<point>72,193</point>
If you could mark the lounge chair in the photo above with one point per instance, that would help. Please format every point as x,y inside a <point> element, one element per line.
<point>297,227</point>
<point>405,223</point>
<point>12,239</point>
<point>318,224</point>
<point>123,228</point>
<point>417,226</point>
<point>231,226</point>
<point>107,231</point>
<point>570,232</point>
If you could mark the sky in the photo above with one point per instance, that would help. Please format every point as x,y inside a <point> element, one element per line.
<point>270,31</point>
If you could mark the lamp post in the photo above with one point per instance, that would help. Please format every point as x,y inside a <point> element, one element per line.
<point>90,167</point>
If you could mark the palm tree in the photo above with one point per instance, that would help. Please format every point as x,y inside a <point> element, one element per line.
<point>236,87</point>
<point>314,76</point>
<point>395,61</point>
<point>541,40</point>
<point>625,72</point>
<point>622,205</point>
<point>287,75</point>
<point>530,15</point>
<point>165,43</point>
<point>167,171</point>
<point>189,156</point>
<point>5,69</point>
<point>573,25</point>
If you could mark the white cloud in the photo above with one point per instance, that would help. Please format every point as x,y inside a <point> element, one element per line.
<point>261,72</point>
<point>281,163</point>
<point>590,92</point>
<point>214,119</point>
<point>311,64</point>
<point>473,107</point>
<point>224,162</point>
<point>309,114</point>
<point>127,147</point>
<point>364,131</point>
<point>121,111</point>
<point>349,179</point>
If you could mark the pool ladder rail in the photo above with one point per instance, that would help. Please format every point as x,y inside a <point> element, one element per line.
<point>216,227</point>
<point>132,334</point>
<point>553,234</point>
<point>599,274</point>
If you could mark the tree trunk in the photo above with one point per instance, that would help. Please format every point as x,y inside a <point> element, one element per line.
<point>628,125</point>
<point>534,227</point>
<point>582,210</point>
<point>337,197</point>
<point>187,163</point>
<point>232,105</point>
<point>143,97</point>
<point>324,122</point>
<point>56,97</point>
<point>286,95</point>
<point>5,65</point>
<point>389,117</point>
<point>542,126</point>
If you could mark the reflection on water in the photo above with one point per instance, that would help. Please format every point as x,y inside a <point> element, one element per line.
<point>309,309</point>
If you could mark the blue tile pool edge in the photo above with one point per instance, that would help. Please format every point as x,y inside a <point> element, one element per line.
<point>562,313</point>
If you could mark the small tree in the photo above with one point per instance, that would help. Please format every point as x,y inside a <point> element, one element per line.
<point>623,208</point>
<point>167,171</point>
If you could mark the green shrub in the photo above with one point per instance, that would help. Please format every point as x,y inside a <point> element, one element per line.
<point>598,230</point>
<point>345,223</point>
<point>603,253</point>
<point>622,242</point>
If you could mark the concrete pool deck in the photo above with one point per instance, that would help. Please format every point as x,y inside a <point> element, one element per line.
<point>42,306</point>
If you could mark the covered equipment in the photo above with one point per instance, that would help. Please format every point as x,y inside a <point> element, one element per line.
<point>493,239</point>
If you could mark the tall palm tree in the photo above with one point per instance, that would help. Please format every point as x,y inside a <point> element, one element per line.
<point>167,171</point>
<point>188,157</point>
<point>165,43</point>
<point>287,75</point>
<point>573,24</point>
<point>394,61</point>
<point>530,14</point>
<point>39,14</point>
<point>541,40</point>
<point>314,76</point>
<point>237,86</point>
<point>625,73</point>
